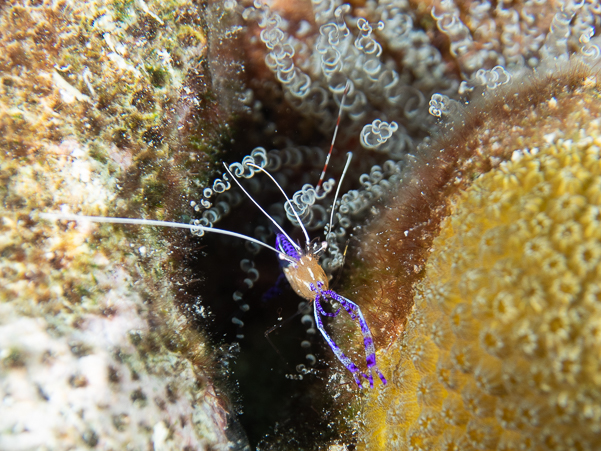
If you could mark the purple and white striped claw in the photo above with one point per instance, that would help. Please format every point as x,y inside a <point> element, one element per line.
<point>343,358</point>
<point>355,312</point>
<point>368,342</point>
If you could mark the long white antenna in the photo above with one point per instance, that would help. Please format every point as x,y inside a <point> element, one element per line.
<point>296,246</point>
<point>348,162</point>
<point>287,199</point>
<point>150,222</point>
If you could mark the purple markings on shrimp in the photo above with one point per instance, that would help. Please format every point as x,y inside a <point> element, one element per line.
<point>343,358</point>
<point>364,329</point>
<point>285,246</point>
<point>355,313</point>
<point>371,360</point>
<point>321,310</point>
<point>368,342</point>
<point>349,306</point>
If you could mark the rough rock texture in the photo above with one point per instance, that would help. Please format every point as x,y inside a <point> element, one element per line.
<point>93,352</point>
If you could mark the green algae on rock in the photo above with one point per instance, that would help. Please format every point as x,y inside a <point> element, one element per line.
<point>125,79</point>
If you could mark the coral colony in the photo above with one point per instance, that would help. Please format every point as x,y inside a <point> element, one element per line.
<point>498,51</point>
<point>390,96</point>
<point>501,349</point>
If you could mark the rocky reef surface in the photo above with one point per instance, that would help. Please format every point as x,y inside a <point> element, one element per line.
<point>93,352</point>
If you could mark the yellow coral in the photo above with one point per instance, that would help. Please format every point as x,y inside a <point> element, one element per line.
<point>503,348</point>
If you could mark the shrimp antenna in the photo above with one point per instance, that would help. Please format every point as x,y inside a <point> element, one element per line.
<point>296,246</point>
<point>325,166</point>
<point>346,166</point>
<point>149,222</point>
<point>287,199</point>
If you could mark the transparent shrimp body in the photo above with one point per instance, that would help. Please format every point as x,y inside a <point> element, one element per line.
<point>310,282</point>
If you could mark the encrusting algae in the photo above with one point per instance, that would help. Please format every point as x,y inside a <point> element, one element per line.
<point>93,350</point>
<point>502,348</point>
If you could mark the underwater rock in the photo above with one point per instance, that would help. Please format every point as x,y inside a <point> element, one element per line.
<point>91,353</point>
<point>93,384</point>
<point>93,350</point>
